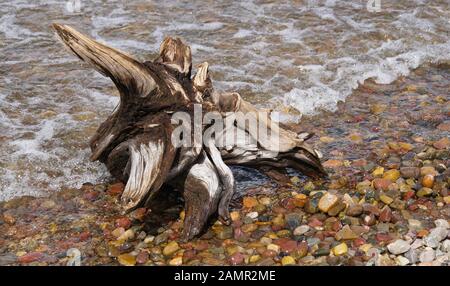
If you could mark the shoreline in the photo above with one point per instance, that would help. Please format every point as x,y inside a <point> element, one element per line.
<point>387,152</point>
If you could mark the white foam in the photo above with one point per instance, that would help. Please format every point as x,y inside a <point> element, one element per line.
<point>307,55</point>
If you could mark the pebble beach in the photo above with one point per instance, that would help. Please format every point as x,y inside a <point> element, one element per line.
<point>386,200</point>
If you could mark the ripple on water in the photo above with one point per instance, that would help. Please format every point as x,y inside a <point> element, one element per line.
<point>294,56</point>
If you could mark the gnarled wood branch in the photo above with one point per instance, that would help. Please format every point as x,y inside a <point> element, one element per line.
<point>135,141</point>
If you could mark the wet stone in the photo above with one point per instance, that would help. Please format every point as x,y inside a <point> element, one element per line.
<point>340,249</point>
<point>336,209</point>
<point>424,192</point>
<point>301,230</point>
<point>345,234</point>
<point>225,232</point>
<point>126,259</point>
<point>161,238</point>
<point>327,201</point>
<point>410,172</point>
<point>171,248</point>
<point>293,220</point>
<point>311,206</point>
<point>354,210</point>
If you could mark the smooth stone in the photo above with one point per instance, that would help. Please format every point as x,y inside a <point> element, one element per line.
<point>7,259</point>
<point>428,171</point>
<point>126,259</point>
<point>293,220</point>
<point>340,249</point>
<point>445,247</point>
<point>301,230</point>
<point>345,234</point>
<point>273,247</point>
<point>431,241</point>
<point>127,235</point>
<point>424,192</point>
<point>402,261</point>
<point>354,210</point>
<point>171,248</point>
<point>379,171</point>
<point>428,181</point>
<point>415,224</point>
<point>417,243</point>
<point>249,202</point>
<point>439,233</point>
<point>427,255</point>
<point>385,214</point>
<point>177,261</point>
<point>398,247</point>
<point>327,201</point>
<point>386,199</point>
<point>287,260</point>
<point>225,233</point>
<point>381,184</point>
<point>442,223</point>
<point>410,172</point>
<point>161,238</point>
<point>252,215</point>
<point>392,175</point>
<point>412,255</point>
<point>311,241</point>
<point>336,209</point>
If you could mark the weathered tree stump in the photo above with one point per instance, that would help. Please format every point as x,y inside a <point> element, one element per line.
<point>135,141</point>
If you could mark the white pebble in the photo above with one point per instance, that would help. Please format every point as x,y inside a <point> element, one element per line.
<point>442,223</point>
<point>402,260</point>
<point>398,247</point>
<point>427,255</point>
<point>252,215</point>
<point>301,230</point>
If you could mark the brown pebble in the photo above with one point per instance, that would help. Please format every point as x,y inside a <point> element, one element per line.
<point>428,181</point>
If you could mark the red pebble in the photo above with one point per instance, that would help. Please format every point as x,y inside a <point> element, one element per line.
<point>386,214</point>
<point>269,253</point>
<point>288,204</point>
<point>91,195</point>
<point>382,237</point>
<point>116,189</point>
<point>123,222</point>
<point>358,242</point>
<point>85,235</point>
<point>30,257</point>
<point>188,255</point>
<point>142,257</point>
<point>413,207</point>
<point>236,259</point>
<point>315,222</point>
<point>286,245</point>
<point>408,195</point>
<point>201,245</point>
<point>336,226</point>
<point>139,214</point>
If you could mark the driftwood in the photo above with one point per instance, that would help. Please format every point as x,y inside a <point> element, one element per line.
<point>135,140</point>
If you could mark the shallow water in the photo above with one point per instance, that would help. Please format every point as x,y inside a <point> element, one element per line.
<point>296,56</point>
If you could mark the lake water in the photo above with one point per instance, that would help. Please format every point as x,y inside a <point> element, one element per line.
<point>295,56</point>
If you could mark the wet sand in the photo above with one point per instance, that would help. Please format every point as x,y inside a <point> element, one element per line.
<point>386,201</point>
